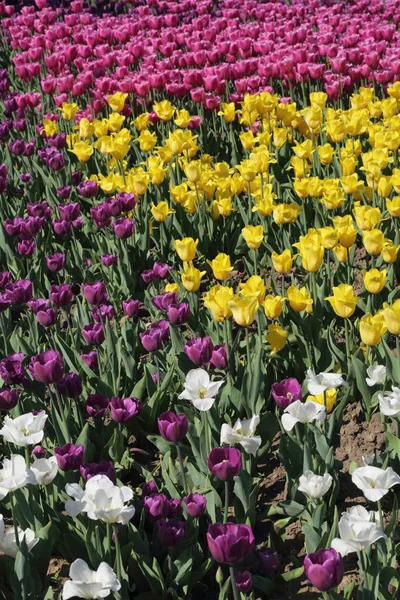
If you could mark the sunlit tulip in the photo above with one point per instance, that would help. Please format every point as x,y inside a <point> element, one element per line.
<point>302,412</point>
<point>373,241</point>
<point>186,248</point>
<point>217,300</point>
<point>221,266</point>
<point>200,390</point>
<point>389,252</point>
<point>358,529</point>
<point>389,403</point>
<point>327,399</point>
<point>243,309</point>
<point>255,287</point>
<point>376,375</point>
<point>244,433</point>
<point>161,211</point>
<point>253,235</point>
<point>85,583</point>
<point>277,337</point>
<point>329,237</point>
<point>282,262</point>
<point>366,217</point>
<point>273,306</point>
<point>322,382</point>
<point>315,486</point>
<point>374,280</point>
<point>299,299</point>
<point>343,300</point>
<point>391,314</point>
<point>191,277</point>
<point>374,482</point>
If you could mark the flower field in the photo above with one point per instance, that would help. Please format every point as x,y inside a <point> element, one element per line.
<point>199,307</point>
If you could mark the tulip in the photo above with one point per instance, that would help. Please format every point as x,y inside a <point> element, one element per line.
<point>391,315</point>
<point>172,427</point>
<point>244,582</point>
<point>161,211</point>
<point>8,398</point>
<point>14,475</point>
<point>273,306</point>
<point>44,470</point>
<point>311,252</point>
<point>374,280</point>
<point>376,375</point>
<point>91,359</point>
<point>124,228</point>
<point>105,467</point>
<point>243,309</point>
<point>253,236</point>
<point>200,390</point>
<point>373,241</point>
<point>282,262</point>
<point>131,307</point>
<point>225,463</point>
<point>191,277</point>
<point>318,384</point>
<point>195,504</point>
<point>47,317</point>
<point>69,457</point>
<point>269,561</point>
<point>254,287</point>
<point>315,486</point>
<point>217,300</point>
<point>221,266</point>
<point>93,334</point>
<point>11,370</point>
<point>109,260</point>
<point>327,399</point>
<point>97,405</point>
<point>95,293</point>
<point>277,337</point>
<point>24,430</point>
<point>70,385</point>
<point>324,569</point>
<point>85,583</point>
<point>243,433</point>
<point>171,532</point>
<point>61,295</point>
<point>299,299</point>
<point>372,327</point>
<point>165,300</point>
<point>343,300</point>
<point>299,412</point>
<point>230,543</point>
<point>19,292</point>
<point>286,392</point>
<point>186,248</point>
<point>151,340</point>
<point>374,482</point>
<point>389,404</point>
<point>149,488</point>
<point>47,367</point>
<point>156,506</point>
<point>178,314</point>
<point>123,410</point>
<point>9,545</point>
<point>358,529</point>
<point>55,262</point>
<point>199,350</point>
<point>219,358</point>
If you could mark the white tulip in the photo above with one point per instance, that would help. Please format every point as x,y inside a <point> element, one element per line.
<point>85,583</point>
<point>243,433</point>
<point>374,482</point>
<point>376,375</point>
<point>358,529</point>
<point>314,485</point>
<point>389,404</point>
<point>45,470</point>
<point>101,499</point>
<point>200,390</point>
<point>14,475</point>
<point>318,384</point>
<point>302,412</point>
<point>8,543</point>
<point>24,430</point>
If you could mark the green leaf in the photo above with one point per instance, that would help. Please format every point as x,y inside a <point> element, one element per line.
<point>263,584</point>
<point>293,574</point>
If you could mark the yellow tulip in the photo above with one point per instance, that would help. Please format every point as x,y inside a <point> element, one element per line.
<point>193,171</point>
<point>373,241</point>
<point>312,116</point>
<point>221,266</point>
<point>86,129</point>
<point>389,252</point>
<point>186,248</point>
<point>282,262</point>
<point>277,337</point>
<point>326,153</point>
<point>248,170</point>
<point>172,287</point>
<point>374,280</point>
<point>243,309</point>
<point>161,211</point>
<point>391,314</point>
<point>69,110</point>
<point>343,300</point>
<point>273,306</point>
<point>366,217</point>
<point>255,287</point>
<point>342,253</point>
<point>228,111</point>
<point>164,110</point>
<point>299,299</point>
<point>147,140</point>
<point>50,127</point>
<point>217,300</point>
<point>141,122</point>
<point>319,99</point>
<point>329,237</point>
<point>83,151</point>
<point>311,252</point>
<point>191,277</point>
<point>372,328</point>
<point>328,399</point>
<point>286,213</point>
<point>393,206</point>
<point>253,235</point>
<point>182,118</point>
<point>304,150</point>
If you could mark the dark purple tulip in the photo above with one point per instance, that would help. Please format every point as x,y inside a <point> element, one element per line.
<point>78,223</point>
<point>64,192</point>
<point>285,392</point>
<point>39,209</point>
<point>11,369</point>
<point>156,506</point>
<point>91,359</point>
<point>244,582</point>
<point>58,140</point>
<point>199,350</point>
<point>70,211</point>
<point>160,270</point>
<point>61,295</point>
<point>178,313</point>
<point>5,279</point>
<point>113,207</point>
<point>131,307</point>
<point>165,300</point>
<point>100,216</point>
<point>37,304</point>
<point>26,247</point>
<point>195,504</point>
<point>151,340</point>
<point>69,457</point>
<point>102,312</point>
<point>93,334</point>
<point>76,177</point>
<point>95,293</point>
<point>47,367</point>
<point>124,409</point>
<point>173,427</point>
<point>230,543</point>
<point>171,532</point>
<point>61,227</point>
<point>161,326</point>
<point>12,226</point>
<point>88,189</point>
<point>225,463</point>
<point>38,452</point>
<point>127,201</point>
<point>324,569</point>
<point>70,385</point>
<point>148,276</point>
<point>109,260</point>
<point>19,292</point>
<point>105,467</point>
<point>97,405</point>
<point>175,508</point>
<point>5,302</point>
<point>8,398</point>
<point>47,317</point>
<point>269,561</point>
<point>219,359</point>
<point>124,228</point>
<point>149,488</point>
<point>26,178</point>
<point>55,262</point>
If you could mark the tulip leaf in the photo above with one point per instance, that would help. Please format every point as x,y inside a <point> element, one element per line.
<point>293,574</point>
<point>361,374</point>
<point>262,583</point>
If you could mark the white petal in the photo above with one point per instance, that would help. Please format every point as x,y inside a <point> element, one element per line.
<point>288,421</point>
<point>203,404</point>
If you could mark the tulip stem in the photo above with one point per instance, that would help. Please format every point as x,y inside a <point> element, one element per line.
<point>226,507</point>
<point>255,261</point>
<point>14,519</point>
<point>235,591</point>
<point>117,553</point>
<point>109,540</point>
<point>382,524</point>
<point>347,338</point>
<point>248,347</point>
<point>182,466</point>
<point>206,433</point>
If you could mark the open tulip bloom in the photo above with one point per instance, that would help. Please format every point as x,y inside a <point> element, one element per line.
<point>389,404</point>
<point>243,433</point>
<point>374,482</point>
<point>315,486</point>
<point>85,583</point>
<point>318,384</point>
<point>302,412</point>
<point>358,529</point>
<point>200,390</point>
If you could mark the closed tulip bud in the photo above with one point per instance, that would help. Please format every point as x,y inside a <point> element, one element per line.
<point>124,228</point>
<point>372,328</point>
<point>131,307</point>
<point>243,309</point>
<point>70,385</point>
<point>156,506</point>
<point>93,334</point>
<point>374,280</point>
<point>47,367</point>
<point>199,350</point>
<point>389,252</point>
<point>55,262</point>
<point>273,306</point>
<point>109,260</point>
<point>124,409</point>
<point>195,504</point>
<point>282,262</point>
<point>61,295</point>
<point>172,427</point>
<point>69,457</point>
<point>186,248</point>
<point>178,313</point>
<point>47,317</point>
<point>221,266</point>
<point>343,300</point>
<point>225,463</point>
<point>191,278</point>
<point>165,300</point>
<point>277,337</point>
<point>253,236</point>
<point>91,359</point>
<point>95,293</point>
<point>8,398</point>
<point>299,299</point>
<point>269,562</point>
<point>219,359</point>
<point>391,315</point>
<point>373,241</point>
<point>244,582</point>
<point>341,253</point>
<point>324,569</point>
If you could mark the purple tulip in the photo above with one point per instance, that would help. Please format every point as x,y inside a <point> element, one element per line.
<point>26,247</point>
<point>105,467</point>
<point>160,270</point>
<point>97,405</point>
<point>113,207</point>
<point>173,427</point>
<point>324,569</point>
<point>102,312</point>
<point>69,457</point>
<point>123,410</point>
<point>269,561</point>
<point>61,227</point>
<point>64,192</point>
<point>93,334</point>
<point>178,313</point>
<point>131,307</point>
<point>5,302</point>
<point>95,293</point>
<point>124,228</point>
<point>156,506</point>
<point>109,260</point>
<point>127,201</point>
<point>47,317</point>
<point>195,504</point>
<point>149,488</point>
<point>5,279</point>
<point>76,177</point>
<point>165,300</point>
<point>70,385</point>
<point>244,582</point>
<point>8,398</point>
<point>148,276</point>
<point>151,340</point>
<point>199,350</point>
<point>175,508</point>
<point>55,262</point>
<point>70,211</point>
<point>171,532</point>
<point>19,292</point>
<point>47,367</point>
<point>61,295</point>
<point>88,189</point>
<point>91,359</point>
<point>225,463</point>
<point>230,543</point>
<point>11,369</point>
<point>219,359</point>
<point>38,452</point>
<point>286,392</point>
